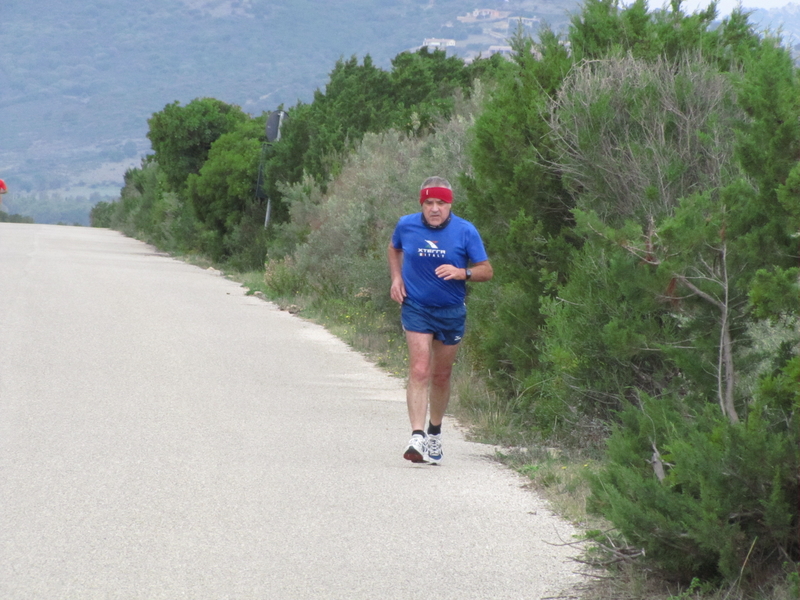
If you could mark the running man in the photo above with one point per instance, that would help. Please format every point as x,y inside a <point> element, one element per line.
<point>432,256</point>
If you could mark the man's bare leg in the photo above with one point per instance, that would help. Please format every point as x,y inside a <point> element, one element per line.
<point>442,359</point>
<point>419,377</point>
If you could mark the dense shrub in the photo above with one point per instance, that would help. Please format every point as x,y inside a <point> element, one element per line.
<point>702,496</point>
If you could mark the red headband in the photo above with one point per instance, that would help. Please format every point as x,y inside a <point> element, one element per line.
<point>440,193</point>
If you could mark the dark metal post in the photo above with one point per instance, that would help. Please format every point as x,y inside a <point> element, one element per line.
<point>273,133</point>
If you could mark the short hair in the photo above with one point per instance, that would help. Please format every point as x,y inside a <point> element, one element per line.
<point>436,182</point>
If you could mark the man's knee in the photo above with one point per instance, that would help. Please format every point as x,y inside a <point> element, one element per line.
<point>441,376</point>
<point>419,370</point>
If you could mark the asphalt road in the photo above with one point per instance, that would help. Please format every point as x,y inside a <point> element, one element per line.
<point>164,435</point>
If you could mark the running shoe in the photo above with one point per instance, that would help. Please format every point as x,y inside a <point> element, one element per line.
<point>417,450</point>
<point>435,448</point>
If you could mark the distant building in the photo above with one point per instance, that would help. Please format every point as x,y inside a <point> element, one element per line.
<point>484,14</point>
<point>438,43</point>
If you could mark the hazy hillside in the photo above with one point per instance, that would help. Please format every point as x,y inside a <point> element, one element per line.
<point>786,20</point>
<point>79,78</point>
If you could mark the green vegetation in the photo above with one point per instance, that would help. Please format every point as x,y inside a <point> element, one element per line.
<point>52,207</point>
<point>637,189</point>
<point>7,218</point>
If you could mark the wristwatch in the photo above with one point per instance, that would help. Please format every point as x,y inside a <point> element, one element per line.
<point>469,273</point>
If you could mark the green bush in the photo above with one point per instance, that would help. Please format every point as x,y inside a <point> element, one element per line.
<point>702,496</point>
<point>101,214</point>
<point>7,218</point>
<point>181,136</point>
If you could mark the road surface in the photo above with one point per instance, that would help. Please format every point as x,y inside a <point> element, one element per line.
<point>163,435</point>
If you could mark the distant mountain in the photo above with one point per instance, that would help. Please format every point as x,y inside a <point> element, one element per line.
<point>785,20</point>
<point>80,78</point>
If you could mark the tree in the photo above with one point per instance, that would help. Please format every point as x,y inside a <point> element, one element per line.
<point>519,205</point>
<point>224,189</point>
<point>634,137</point>
<point>356,100</point>
<point>424,85</point>
<point>684,179</point>
<point>360,99</point>
<point>181,136</point>
<point>768,149</point>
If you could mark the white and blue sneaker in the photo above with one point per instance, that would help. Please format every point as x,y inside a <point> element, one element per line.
<point>435,448</point>
<point>417,450</point>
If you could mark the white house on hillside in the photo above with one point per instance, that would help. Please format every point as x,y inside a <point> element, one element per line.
<point>438,43</point>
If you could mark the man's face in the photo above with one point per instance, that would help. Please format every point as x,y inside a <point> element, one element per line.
<point>436,211</point>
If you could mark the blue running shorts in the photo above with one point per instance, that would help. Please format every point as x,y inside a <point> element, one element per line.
<point>446,323</point>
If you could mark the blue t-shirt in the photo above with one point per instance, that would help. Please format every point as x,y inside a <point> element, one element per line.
<point>424,249</point>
